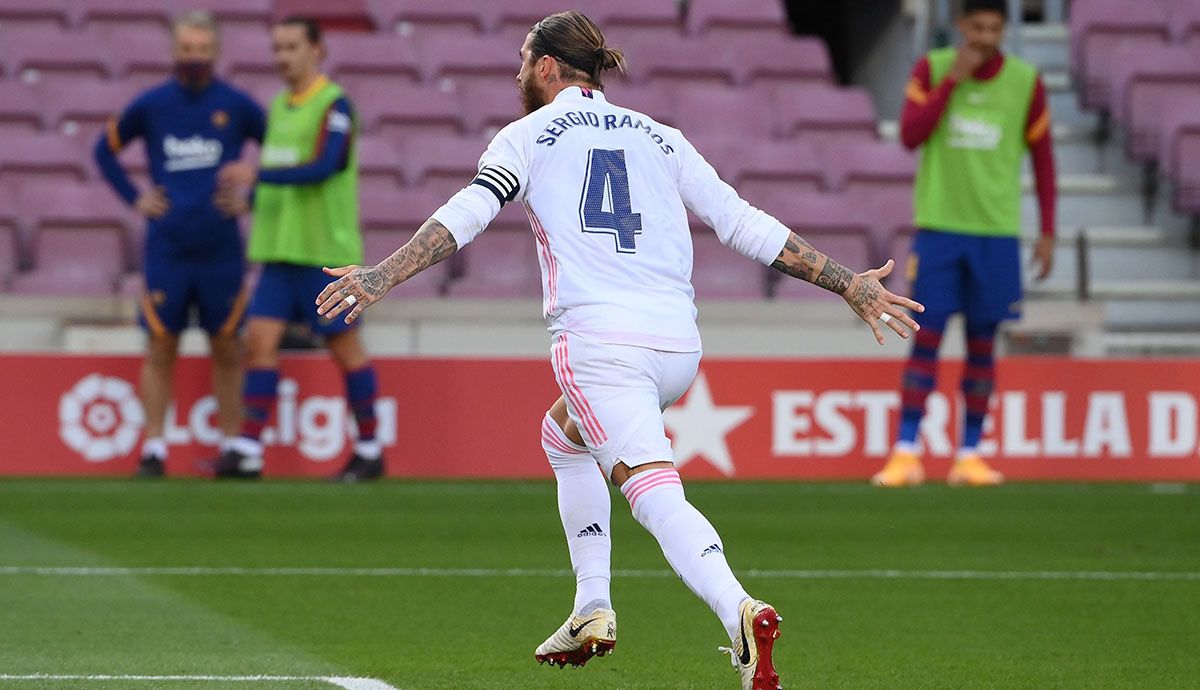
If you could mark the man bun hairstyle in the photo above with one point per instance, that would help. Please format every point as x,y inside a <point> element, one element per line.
<point>1000,6</point>
<point>578,45</point>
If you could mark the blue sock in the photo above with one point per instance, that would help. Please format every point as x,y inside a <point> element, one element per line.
<point>362,387</point>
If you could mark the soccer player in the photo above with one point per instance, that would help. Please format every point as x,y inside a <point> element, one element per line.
<point>973,111</point>
<point>606,190</point>
<point>305,216</point>
<point>193,257</point>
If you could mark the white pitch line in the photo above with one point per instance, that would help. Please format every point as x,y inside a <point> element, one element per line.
<point>871,574</point>
<point>339,681</point>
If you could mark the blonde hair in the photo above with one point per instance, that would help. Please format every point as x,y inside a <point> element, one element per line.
<point>197,19</point>
<point>577,44</point>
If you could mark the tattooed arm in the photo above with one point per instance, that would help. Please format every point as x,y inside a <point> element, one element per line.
<point>368,284</point>
<point>863,291</point>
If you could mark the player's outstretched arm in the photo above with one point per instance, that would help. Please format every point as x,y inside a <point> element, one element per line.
<point>863,291</point>
<point>361,286</point>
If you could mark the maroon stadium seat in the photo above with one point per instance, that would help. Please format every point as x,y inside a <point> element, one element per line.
<point>84,107</point>
<point>829,112</point>
<point>344,15</point>
<point>45,56</point>
<point>499,265</point>
<point>1142,81</point>
<point>452,161</point>
<point>486,59</point>
<point>141,56</point>
<point>721,112</point>
<point>361,63</point>
<point>79,239</point>
<point>675,61</point>
<point>103,15</point>
<point>379,167</point>
<point>623,21</point>
<point>1182,117</point>
<point>865,168</point>
<point>43,156</point>
<point>513,20</point>
<point>744,18</point>
<point>779,61</point>
<point>1098,28</point>
<point>248,54</point>
<point>759,169</point>
<point>656,102</point>
<point>488,107</point>
<point>34,14</point>
<point>408,112</point>
<point>720,273</point>
<point>430,20</point>
<point>21,107</point>
<point>239,14</point>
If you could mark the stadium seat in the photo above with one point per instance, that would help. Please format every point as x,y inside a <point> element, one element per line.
<point>442,161</point>
<point>755,18</point>
<point>1098,28</point>
<point>488,107</point>
<point>499,265</point>
<point>653,101</point>
<point>1180,157</point>
<point>379,169</point>
<point>247,52</point>
<point>48,15</point>
<point>10,256</point>
<point>779,61</point>
<point>79,240</point>
<point>21,107</point>
<point>141,56</point>
<point>82,108</point>
<point>1184,16</point>
<point>430,20</point>
<point>409,112</point>
<point>862,169</point>
<point>663,61</point>
<point>103,15</point>
<point>45,56</point>
<point>344,15</point>
<point>513,20</point>
<point>759,169</point>
<point>720,273</point>
<point>43,157</point>
<point>623,21</point>
<point>455,64</point>
<point>829,112</point>
<point>362,63</point>
<point>721,112</point>
<point>240,14</point>
<point>1143,79</point>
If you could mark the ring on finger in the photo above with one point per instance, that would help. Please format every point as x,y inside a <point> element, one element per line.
<point>885,317</point>
<point>351,300</point>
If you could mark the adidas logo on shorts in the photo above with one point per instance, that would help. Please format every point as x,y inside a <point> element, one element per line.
<point>712,548</point>
<point>592,530</point>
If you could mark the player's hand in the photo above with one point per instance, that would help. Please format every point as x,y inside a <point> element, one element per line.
<point>236,175</point>
<point>1043,257</point>
<point>231,202</point>
<point>875,305</point>
<point>152,203</point>
<point>966,61</point>
<point>356,288</point>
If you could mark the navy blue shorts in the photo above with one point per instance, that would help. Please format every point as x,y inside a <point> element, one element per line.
<point>178,287</point>
<point>977,275</point>
<point>288,292</point>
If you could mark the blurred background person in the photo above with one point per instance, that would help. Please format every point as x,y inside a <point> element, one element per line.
<point>305,217</point>
<point>973,111</point>
<point>193,255</point>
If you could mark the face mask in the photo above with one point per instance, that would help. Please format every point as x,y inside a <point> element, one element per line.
<point>194,74</point>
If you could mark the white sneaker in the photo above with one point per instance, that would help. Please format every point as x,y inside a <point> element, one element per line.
<point>751,651</point>
<point>579,639</point>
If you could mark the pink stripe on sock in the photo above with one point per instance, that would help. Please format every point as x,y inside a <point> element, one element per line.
<point>555,440</point>
<point>640,484</point>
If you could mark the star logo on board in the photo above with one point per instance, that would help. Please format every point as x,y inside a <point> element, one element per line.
<point>698,427</point>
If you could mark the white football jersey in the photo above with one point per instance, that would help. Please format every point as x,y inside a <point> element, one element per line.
<point>606,190</point>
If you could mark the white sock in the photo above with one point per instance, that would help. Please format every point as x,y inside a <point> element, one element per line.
<point>905,447</point>
<point>226,443</point>
<point>964,452</point>
<point>688,540</point>
<point>155,446</point>
<point>585,509</point>
<point>251,448</point>
<point>371,450</point>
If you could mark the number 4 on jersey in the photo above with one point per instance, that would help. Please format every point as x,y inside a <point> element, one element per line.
<point>605,206</point>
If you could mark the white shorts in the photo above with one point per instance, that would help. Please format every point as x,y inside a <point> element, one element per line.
<point>616,395</point>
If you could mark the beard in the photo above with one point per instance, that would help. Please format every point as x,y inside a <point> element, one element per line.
<point>531,100</point>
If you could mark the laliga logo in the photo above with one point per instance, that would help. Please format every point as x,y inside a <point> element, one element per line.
<point>100,418</point>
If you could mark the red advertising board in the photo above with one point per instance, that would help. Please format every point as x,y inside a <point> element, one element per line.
<point>1053,419</point>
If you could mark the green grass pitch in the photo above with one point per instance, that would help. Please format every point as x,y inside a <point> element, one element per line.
<point>310,580</point>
